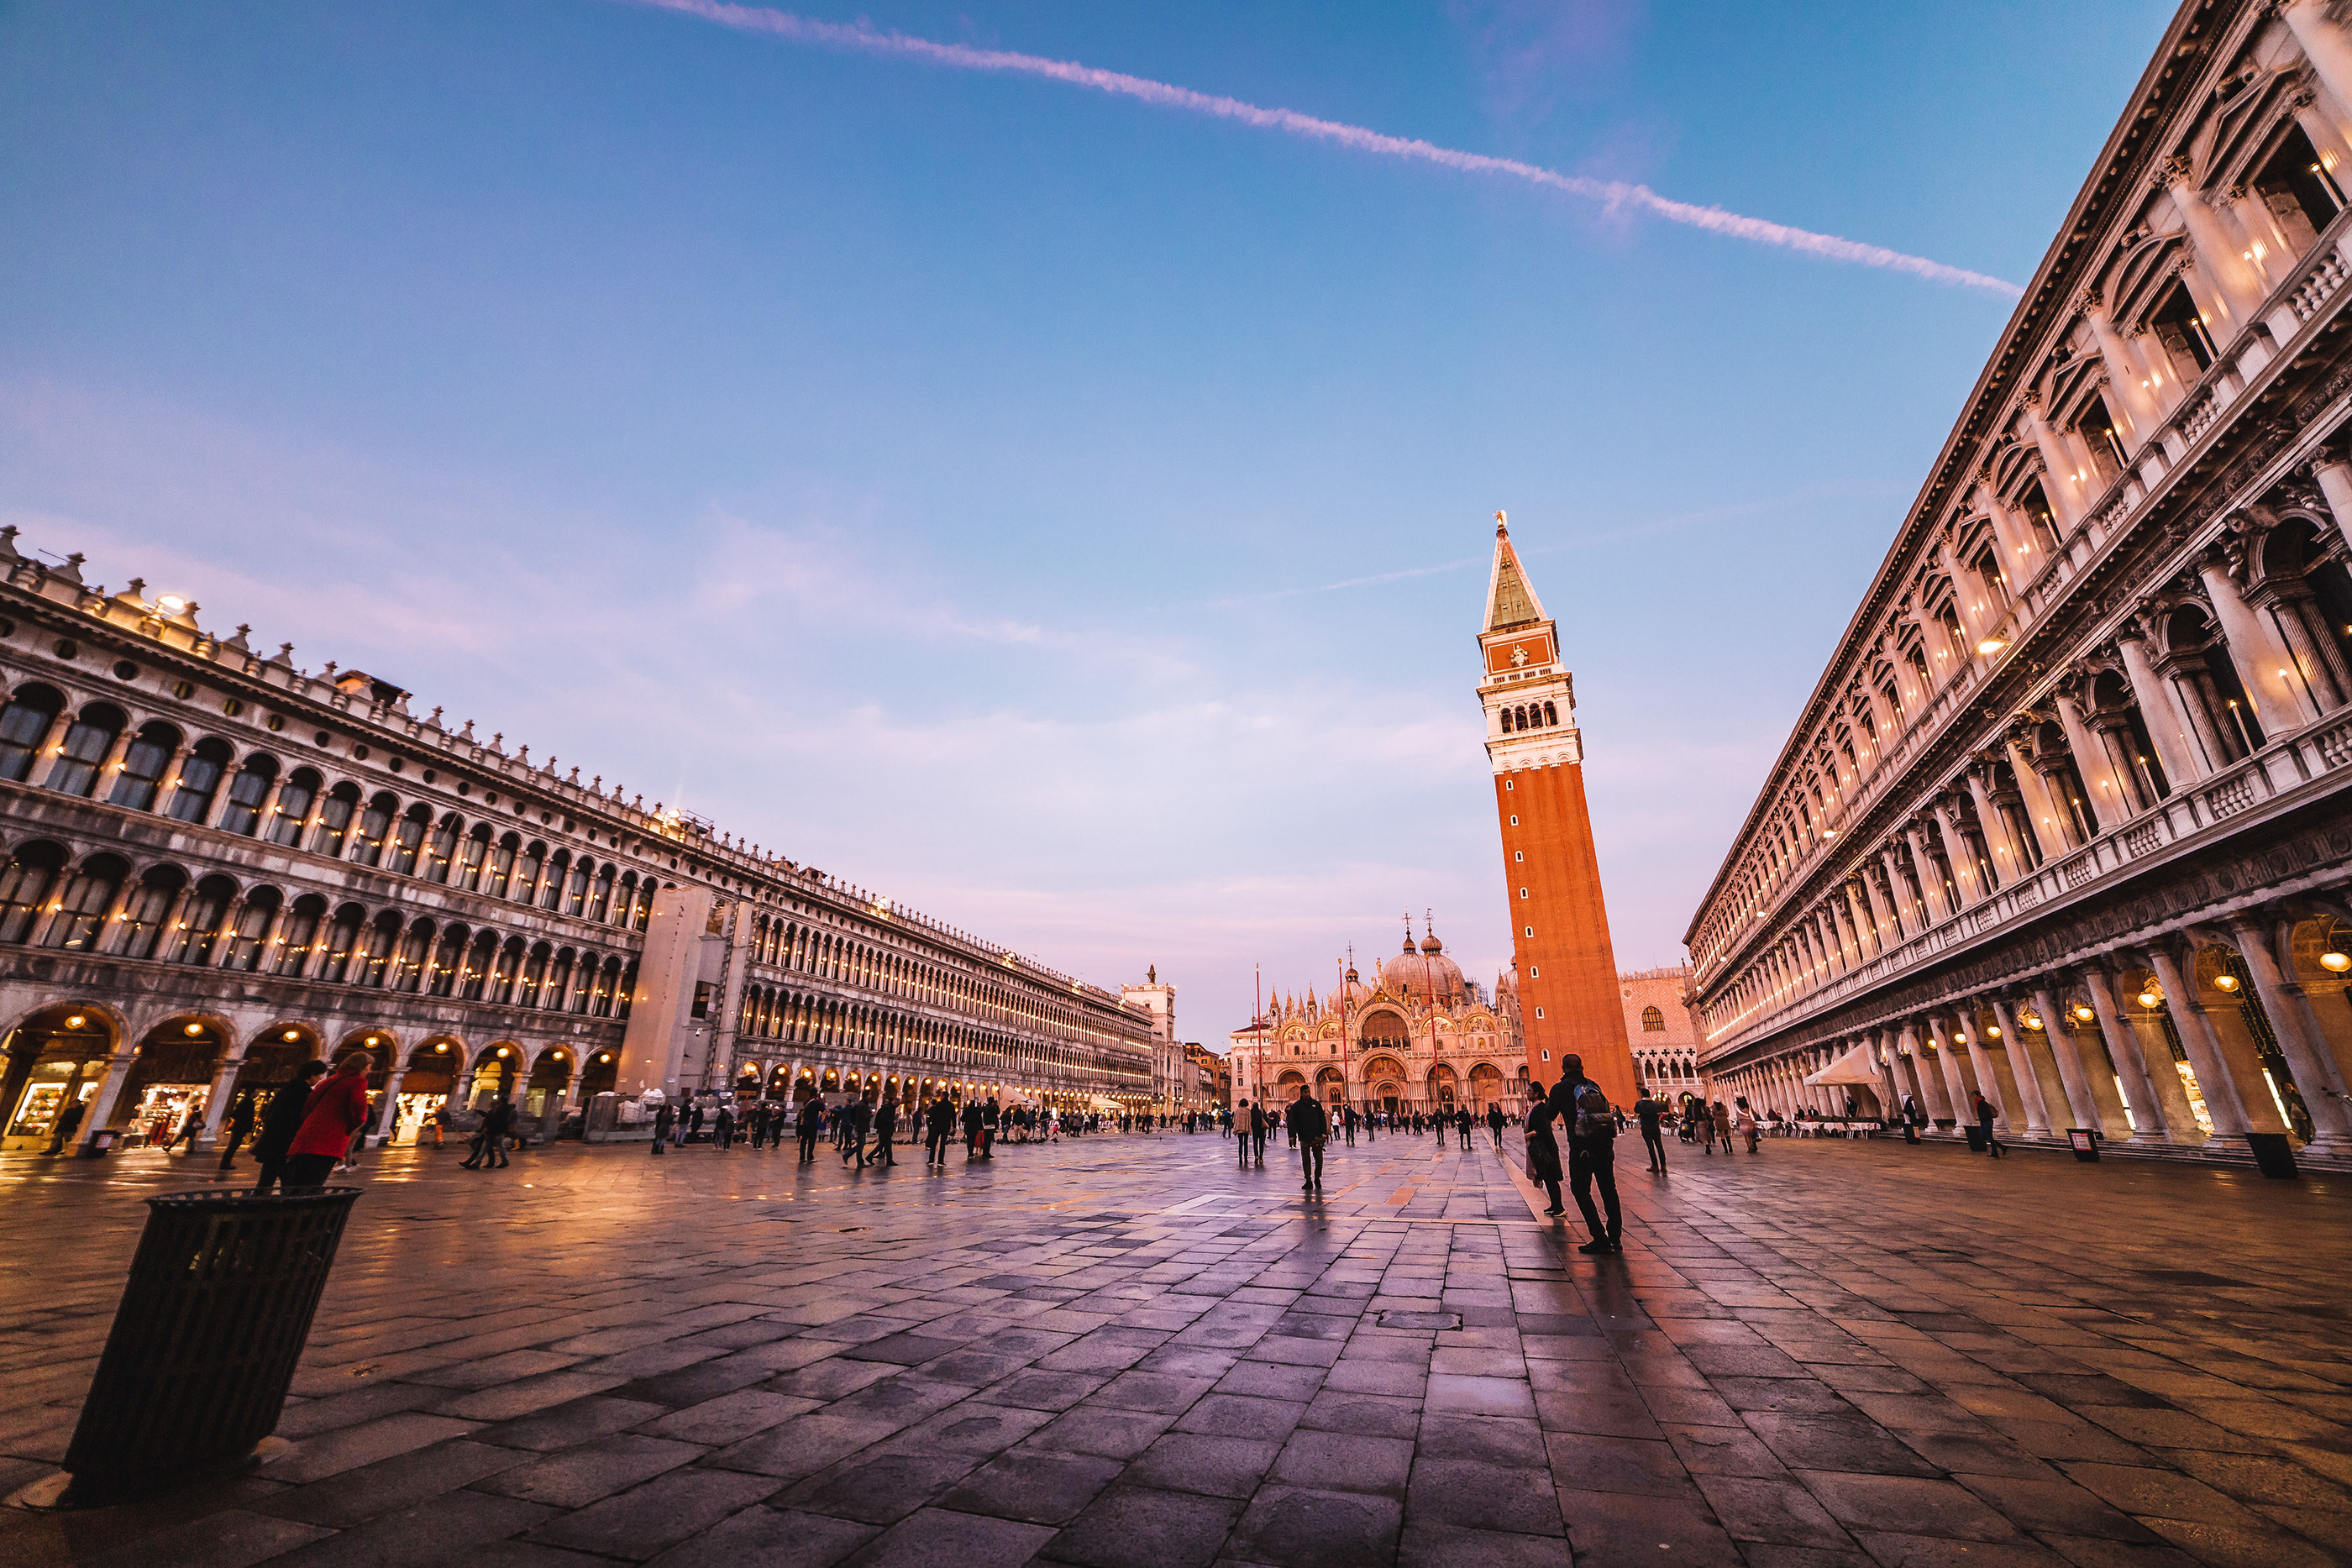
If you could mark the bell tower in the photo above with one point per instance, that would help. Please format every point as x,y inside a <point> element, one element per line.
<point>1560,927</point>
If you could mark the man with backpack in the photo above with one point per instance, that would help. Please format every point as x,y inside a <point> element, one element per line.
<point>1310,1127</point>
<point>1591,1156</point>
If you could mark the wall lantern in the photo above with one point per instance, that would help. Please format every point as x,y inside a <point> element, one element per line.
<point>195,1029</point>
<point>76,1021</point>
<point>442,1048</point>
<point>2335,963</point>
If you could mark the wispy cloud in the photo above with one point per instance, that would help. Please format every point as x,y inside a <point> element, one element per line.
<point>1615,195</point>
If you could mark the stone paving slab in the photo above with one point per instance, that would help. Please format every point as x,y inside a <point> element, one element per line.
<point>1132,1350</point>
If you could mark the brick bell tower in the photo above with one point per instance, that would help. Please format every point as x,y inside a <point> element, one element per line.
<point>1568,975</point>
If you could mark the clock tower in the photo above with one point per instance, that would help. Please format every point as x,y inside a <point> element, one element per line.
<point>1568,975</point>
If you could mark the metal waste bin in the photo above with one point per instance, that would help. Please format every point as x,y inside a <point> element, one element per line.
<point>2085,1142</point>
<point>2274,1155</point>
<point>211,1322</point>
<point>1976,1137</point>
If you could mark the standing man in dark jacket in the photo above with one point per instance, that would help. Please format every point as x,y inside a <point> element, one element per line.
<point>990,1117</point>
<point>852,1133</point>
<point>886,1133</point>
<point>1309,1129</point>
<point>938,1128</point>
<point>970,1129</point>
<point>1261,1124</point>
<point>1495,1123</point>
<point>280,1122</point>
<point>811,1124</point>
<point>664,1120</point>
<point>1593,1156</point>
<point>1646,1111</point>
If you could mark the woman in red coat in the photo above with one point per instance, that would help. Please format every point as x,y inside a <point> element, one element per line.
<point>338,1106</point>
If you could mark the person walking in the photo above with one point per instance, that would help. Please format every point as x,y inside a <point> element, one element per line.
<point>280,1122</point>
<point>1745,1121</point>
<point>1647,1110</point>
<point>1309,1128</point>
<point>853,1134</point>
<point>1543,1144</point>
<point>1591,1156</point>
<point>1719,1119</point>
<point>886,1133</point>
<point>496,1130</point>
<point>1495,1123</point>
<point>1242,1134</point>
<point>1462,1126</point>
<point>1261,1124</point>
<point>338,1108</point>
<point>972,1119</point>
<point>1985,1114</point>
<point>722,1128</point>
<point>991,1118</point>
<point>240,1127</point>
<point>664,1120</point>
<point>1348,1124</point>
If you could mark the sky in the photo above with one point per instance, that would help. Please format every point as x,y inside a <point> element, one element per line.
<point>1062,509</point>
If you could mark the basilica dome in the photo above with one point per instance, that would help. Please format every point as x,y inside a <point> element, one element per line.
<point>1425,972</point>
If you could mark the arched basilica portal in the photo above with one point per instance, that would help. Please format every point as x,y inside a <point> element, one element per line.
<point>1419,1037</point>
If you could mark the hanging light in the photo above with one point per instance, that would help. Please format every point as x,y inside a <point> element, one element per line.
<point>2335,963</point>
<point>2083,1014</point>
<point>2150,997</point>
<point>2227,982</point>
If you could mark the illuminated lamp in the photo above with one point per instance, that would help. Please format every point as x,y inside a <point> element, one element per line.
<point>606,1056</point>
<point>2149,998</point>
<point>502,1050</point>
<point>442,1048</point>
<point>1991,645</point>
<point>76,1021</point>
<point>2083,1014</point>
<point>1993,1033</point>
<point>194,1029</point>
<point>2335,963</point>
<point>2227,982</point>
<point>291,1034</point>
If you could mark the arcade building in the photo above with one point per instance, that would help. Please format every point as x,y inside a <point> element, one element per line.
<point>214,866</point>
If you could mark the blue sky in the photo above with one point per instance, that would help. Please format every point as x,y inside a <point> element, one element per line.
<point>944,476</point>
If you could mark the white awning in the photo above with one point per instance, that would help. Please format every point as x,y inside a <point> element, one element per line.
<point>1856,1066</point>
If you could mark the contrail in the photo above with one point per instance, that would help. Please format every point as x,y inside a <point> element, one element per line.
<point>1613,195</point>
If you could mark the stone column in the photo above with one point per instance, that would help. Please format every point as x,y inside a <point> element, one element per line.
<point>2323,44</point>
<point>2146,1110</point>
<point>2064,491</point>
<point>2335,477</point>
<point>216,1098</point>
<point>2015,541</point>
<point>2261,660</point>
<point>2314,1068</point>
<point>110,1090</point>
<point>2125,374</point>
<point>1996,830</point>
<point>2220,258</point>
<point>2021,1067</point>
<point>2159,708</point>
<point>2111,800</point>
<point>2071,1073</point>
<point>2043,816</point>
<point>1974,622</point>
<point>2224,1105</point>
<point>1924,1083</point>
<point>1980,1063</point>
<point>1931,887</point>
<point>1910,921</point>
<point>379,1126</point>
<point>1948,1058</point>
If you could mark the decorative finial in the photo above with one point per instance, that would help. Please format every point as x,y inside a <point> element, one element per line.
<point>1502,525</point>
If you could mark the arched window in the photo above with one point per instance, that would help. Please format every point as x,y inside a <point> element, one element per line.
<point>509,970</point>
<point>442,853</point>
<point>534,977</point>
<point>576,890</point>
<point>25,887</point>
<point>143,761</point>
<point>503,860</point>
<point>87,740</point>
<point>559,981</point>
<point>603,898</point>
<point>293,808</point>
<point>204,923</point>
<point>147,914</point>
<point>80,918</point>
<point>526,881</point>
<point>1551,714</point>
<point>373,958</point>
<point>300,937</point>
<point>200,780</point>
<point>246,791</point>
<point>474,857</point>
<point>375,826</point>
<point>1653,1021</point>
<point>350,920</point>
<point>24,723</point>
<point>474,979</point>
<point>441,979</point>
<point>628,989</point>
<point>252,923</point>
<point>408,838</point>
<point>335,819</point>
<point>408,974</point>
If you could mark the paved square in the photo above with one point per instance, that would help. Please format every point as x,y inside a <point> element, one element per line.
<point>1125,1350</point>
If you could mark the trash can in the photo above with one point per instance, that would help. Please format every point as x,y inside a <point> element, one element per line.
<point>211,1322</point>
<point>100,1144</point>
<point>2274,1155</point>
<point>2085,1142</point>
<point>1976,1137</point>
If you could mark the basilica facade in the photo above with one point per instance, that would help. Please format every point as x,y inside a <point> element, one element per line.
<point>1418,1038</point>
